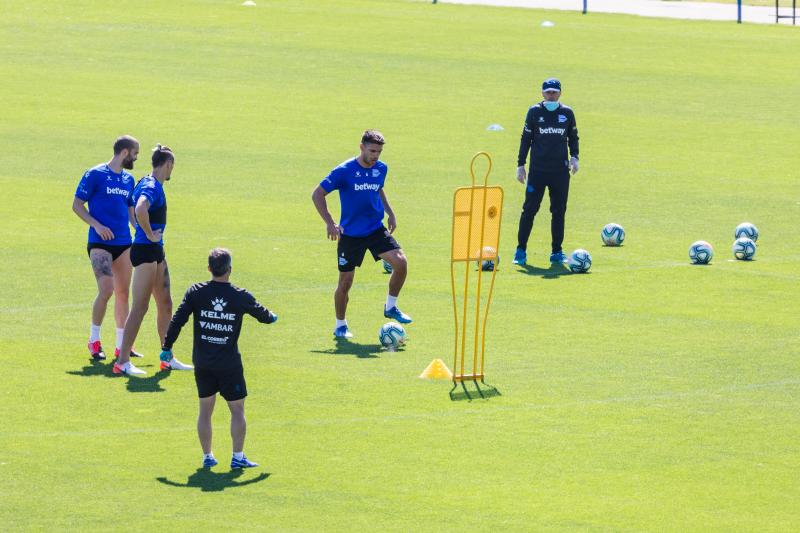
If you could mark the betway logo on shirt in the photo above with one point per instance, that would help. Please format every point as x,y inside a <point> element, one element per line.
<point>117,190</point>
<point>366,186</point>
<point>551,129</point>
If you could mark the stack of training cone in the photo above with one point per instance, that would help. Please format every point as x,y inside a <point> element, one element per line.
<point>436,370</point>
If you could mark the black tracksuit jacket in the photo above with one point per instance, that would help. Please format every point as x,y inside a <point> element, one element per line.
<point>218,310</point>
<point>547,135</point>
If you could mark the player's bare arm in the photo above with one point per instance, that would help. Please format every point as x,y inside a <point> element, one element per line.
<point>143,216</point>
<point>391,221</point>
<point>318,197</point>
<point>79,208</point>
<point>132,217</point>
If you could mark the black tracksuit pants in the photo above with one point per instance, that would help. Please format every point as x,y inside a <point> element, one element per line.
<point>557,183</point>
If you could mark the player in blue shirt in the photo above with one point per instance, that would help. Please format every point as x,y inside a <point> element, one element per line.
<point>150,272</point>
<point>363,201</point>
<point>108,189</point>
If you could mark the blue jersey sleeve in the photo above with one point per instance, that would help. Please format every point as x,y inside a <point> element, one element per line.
<point>333,180</point>
<point>86,186</point>
<point>149,191</point>
<point>131,186</point>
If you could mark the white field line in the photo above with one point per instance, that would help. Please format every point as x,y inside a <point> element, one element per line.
<point>492,406</point>
<point>648,8</point>
<point>88,304</point>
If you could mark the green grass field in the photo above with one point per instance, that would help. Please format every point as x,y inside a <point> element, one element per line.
<point>647,395</point>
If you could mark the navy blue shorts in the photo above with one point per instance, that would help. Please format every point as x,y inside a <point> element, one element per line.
<point>228,382</point>
<point>115,250</point>
<point>146,253</point>
<point>351,250</point>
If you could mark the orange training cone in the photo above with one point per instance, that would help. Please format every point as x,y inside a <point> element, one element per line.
<point>436,370</point>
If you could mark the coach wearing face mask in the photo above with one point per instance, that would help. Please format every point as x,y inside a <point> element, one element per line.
<point>551,136</point>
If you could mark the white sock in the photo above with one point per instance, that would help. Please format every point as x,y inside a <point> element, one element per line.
<point>94,333</point>
<point>238,455</point>
<point>340,323</point>
<point>209,455</point>
<point>391,301</point>
<point>120,331</point>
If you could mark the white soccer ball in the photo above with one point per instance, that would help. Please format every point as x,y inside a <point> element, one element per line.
<point>744,248</point>
<point>392,335</point>
<point>387,267</point>
<point>701,252</point>
<point>612,234</point>
<point>579,261</point>
<point>488,265</point>
<point>746,229</point>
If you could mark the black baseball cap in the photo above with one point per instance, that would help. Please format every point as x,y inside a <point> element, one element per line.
<point>551,84</point>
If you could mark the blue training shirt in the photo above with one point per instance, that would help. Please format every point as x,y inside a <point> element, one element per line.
<point>362,207</point>
<point>151,188</point>
<point>109,196</point>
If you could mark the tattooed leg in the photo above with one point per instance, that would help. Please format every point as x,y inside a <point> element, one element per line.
<point>122,270</point>
<point>101,265</point>
<point>161,294</point>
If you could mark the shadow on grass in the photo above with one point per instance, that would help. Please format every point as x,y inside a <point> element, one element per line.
<point>134,384</point>
<point>348,347</point>
<point>553,271</point>
<point>149,383</point>
<point>209,481</point>
<point>474,391</point>
<point>94,368</point>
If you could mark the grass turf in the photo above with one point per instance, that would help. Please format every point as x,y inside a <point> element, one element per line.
<point>648,394</point>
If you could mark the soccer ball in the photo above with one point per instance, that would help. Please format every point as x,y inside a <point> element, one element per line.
<point>488,265</point>
<point>387,267</point>
<point>579,261</point>
<point>746,229</point>
<point>744,248</point>
<point>612,234</point>
<point>392,335</point>
<point>701,252</point>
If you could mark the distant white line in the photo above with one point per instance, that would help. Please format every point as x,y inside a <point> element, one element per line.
<point>644,8</point>
<point>87,305</point>
<point>790,382</point>
<point>581,403</point>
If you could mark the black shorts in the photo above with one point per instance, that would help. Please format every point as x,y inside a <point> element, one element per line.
<point>228,382</point>
<point>115,250</point>
<point>351,250</point>
<point>146,253</point>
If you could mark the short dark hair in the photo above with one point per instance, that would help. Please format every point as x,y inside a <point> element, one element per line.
<point>219,261</point>
<point>372,137</point>
<point>126,142</point>
<point>162,154</point>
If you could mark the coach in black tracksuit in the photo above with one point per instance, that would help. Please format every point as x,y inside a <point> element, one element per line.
<point>218,308</point>
<point>551,135</point>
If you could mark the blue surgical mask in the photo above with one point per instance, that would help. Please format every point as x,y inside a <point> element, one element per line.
<point>551,106</point>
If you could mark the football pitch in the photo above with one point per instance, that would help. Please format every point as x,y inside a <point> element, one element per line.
<point>648,394</point>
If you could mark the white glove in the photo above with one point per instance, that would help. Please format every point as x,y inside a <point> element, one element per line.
<point>573,164</point>
<point>521,176</point>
